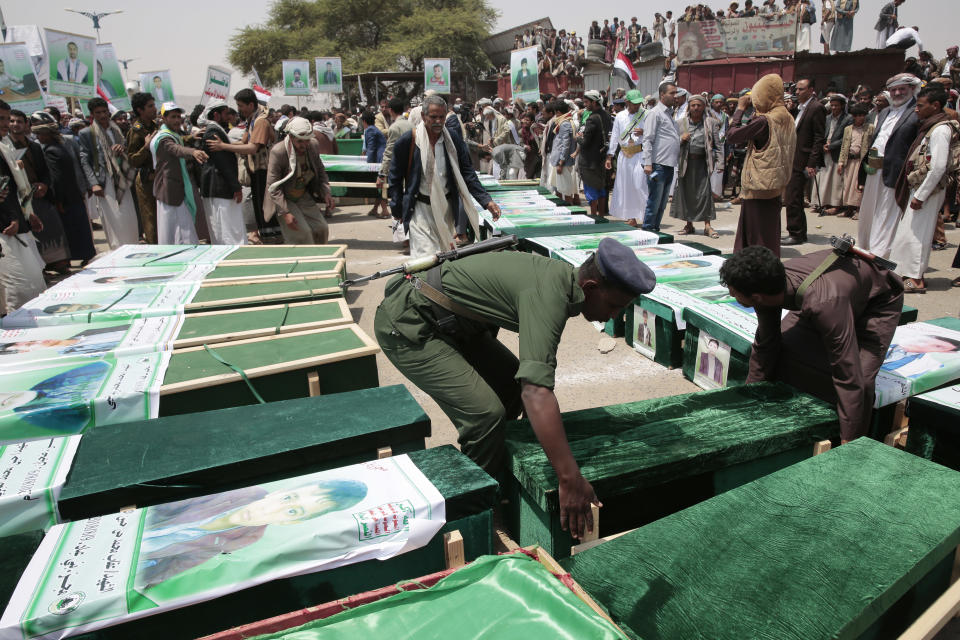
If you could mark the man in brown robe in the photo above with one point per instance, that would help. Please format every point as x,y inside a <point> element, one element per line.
<point>840,326</point>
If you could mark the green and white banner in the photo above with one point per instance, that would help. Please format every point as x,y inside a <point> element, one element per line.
<point>173,275</point>
<point>72,59</point>
<point>104,571</point>
<point>921,357</point>
<point>535,220</point>
<point>336,164</point>
<point>658,252</point>
<point>156,255</point>
<point>67,397</point>
<point>77,306</point>
<point>31,476</point>
<point>637,238</point>
<point>948,397</point>
<point>670,270</point>
<point>110,78</point>
<point>29,348</point>
<point>19,85</point>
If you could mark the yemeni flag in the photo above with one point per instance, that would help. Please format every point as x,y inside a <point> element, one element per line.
<point>262,94</point>
<point>623,68</point>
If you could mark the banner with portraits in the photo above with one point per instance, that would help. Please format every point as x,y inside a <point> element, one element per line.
<point>159,85</point>
<point>329,75</point>
<point>296,77</point>
<point>72,60</point>
<point>110,82</point>
<point>19,86</point>
<point>436,75</point>
<point>524,81</point>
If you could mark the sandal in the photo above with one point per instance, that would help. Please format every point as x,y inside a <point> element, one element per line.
<point>955,282</point>
<point>856,215</point>
<point>686,231</point>
<point>910,286</point>
<point>710,233</point>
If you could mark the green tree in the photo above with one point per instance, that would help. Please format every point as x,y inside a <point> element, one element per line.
<point>369,35</point>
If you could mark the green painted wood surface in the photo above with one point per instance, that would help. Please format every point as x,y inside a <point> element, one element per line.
<point>469,495</point>
<point>296,289</point>
<point>198,326</point>
<point>179,457</point>
<point>822,549</point>
<point>194,364</point>
<point>349,146</point>
<point>261,252</point>
<point>334,377</point>
<point>278,269</point>
<point>15,554</point>
<point>934,431</point>
<point>603,226</point>
<point>651,458</point>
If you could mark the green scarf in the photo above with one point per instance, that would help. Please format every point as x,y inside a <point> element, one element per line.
<point>166,132</point>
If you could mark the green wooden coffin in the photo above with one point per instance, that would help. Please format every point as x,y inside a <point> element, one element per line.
<point>854,543</point>
<point>469,495</point>
<point>213,296</point>
<point>284,252</point>
<point>934,431</point>
<point>252,271</point>
<point>178,457</point>
<point>650,458</point>
<point>282,367</point>
<point>603,226</point>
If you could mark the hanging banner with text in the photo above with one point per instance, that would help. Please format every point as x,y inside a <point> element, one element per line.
<point>104,571</point>
<point>110,84</point>
<point>72,59</point>
<point>217,85</point>
<point>736,37</point>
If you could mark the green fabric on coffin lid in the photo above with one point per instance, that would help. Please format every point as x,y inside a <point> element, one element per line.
<point>179,457</point>
<point>469,495</point>
<point>795,555</point>
<point>519,596</point>
<point>197,326</point>
<point>246,294</point>
<point>690,446</point>
<point>602,226</point>
<point>274,269</point>
<point>284,252</point>
<point>277,366</point>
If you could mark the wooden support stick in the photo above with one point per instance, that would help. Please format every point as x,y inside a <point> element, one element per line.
<point>580,548</point>
<point>453,550</point>
<point>313,383</point>
<point>358,185</point>
<point>936,617</point>
<point>893,438</point>
<point>384,452</point>
<point>821,447</point>
<point>554,567</point>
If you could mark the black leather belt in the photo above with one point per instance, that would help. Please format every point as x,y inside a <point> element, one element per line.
<point>425,199</point>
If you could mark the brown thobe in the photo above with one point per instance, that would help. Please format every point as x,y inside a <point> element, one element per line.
<point>842,329</point>
<point>759,219</point>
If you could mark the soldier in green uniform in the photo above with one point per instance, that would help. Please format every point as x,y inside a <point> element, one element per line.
<point>448,347</point>
<point>138,151</point>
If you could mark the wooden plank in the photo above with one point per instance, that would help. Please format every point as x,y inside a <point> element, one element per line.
<point>894,437</point>
<point>592,534</point>
<point>936,617</point>
<point>453,550</point>
<point>313,383</point>
<point>821,447</point>
<point>554,567</point>
<point>580,548</point>
<point>384,452</point>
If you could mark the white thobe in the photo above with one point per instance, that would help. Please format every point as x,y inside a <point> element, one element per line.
<point>425,238</point>
<point>21,270</point>
<point>879,211</point>
<point>629,197</point>
<point>119,219</point>
<point>225,221</point>
<point>911,244</point>
<point>175,224</point>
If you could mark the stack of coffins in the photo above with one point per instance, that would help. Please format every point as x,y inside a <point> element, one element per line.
<point>351,176</point>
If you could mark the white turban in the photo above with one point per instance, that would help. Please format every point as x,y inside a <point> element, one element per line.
<point>299,128</point>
